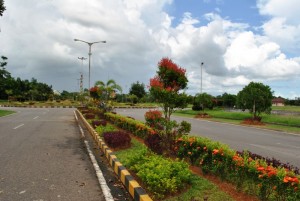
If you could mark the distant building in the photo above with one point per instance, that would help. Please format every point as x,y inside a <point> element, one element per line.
<point>278,102</point>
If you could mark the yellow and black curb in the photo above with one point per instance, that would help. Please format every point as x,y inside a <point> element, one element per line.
<point>132,186</point>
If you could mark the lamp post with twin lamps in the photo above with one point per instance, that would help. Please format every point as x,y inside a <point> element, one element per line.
<point>90,54</point>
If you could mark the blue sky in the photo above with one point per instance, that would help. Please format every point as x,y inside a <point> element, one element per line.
<point>244,11</point>
<point>239,41</point>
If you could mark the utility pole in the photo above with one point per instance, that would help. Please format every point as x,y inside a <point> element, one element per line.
<point>81,74</point>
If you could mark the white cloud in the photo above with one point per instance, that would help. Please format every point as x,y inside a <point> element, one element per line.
<point>284,24</point>
<point>38,38</point>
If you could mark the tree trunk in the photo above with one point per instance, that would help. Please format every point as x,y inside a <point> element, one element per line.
<point>254,110</point>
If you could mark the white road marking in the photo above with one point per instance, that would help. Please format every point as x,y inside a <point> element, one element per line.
<point>101,179</point>
<point>36,117</point>
<point>18,126</point>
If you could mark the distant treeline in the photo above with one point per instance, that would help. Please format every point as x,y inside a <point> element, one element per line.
<point>21,90</point>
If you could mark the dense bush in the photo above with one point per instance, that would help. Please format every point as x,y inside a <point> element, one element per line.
<point>117,139</point>
<point>197,107</point>
<point>167,130</point>
<point>162,176</point>
<point>153,142</point>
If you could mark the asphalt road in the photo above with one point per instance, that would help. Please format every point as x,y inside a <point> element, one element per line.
<point>43,159</point>
<point>282,146</point>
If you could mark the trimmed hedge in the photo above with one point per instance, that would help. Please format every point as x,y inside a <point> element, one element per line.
<point>138,128</point>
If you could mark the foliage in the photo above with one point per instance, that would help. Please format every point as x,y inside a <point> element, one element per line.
<point>96,123</point>
<point>2,7</point>
<point>198,188</point>
<point>22,90</point>
<point>136,127</point>
<point>117,139</point>
<point>166,85</point>
<point>106,90</point>
<point>133,99</point>
<point>153,142</point>
<point>203,101</point>
<point>137,89</point>
<point>167,130</point>
<point>229,100</point>
<point>103,129</point>
<point>267,180</point>
<point>161,176</point>
<point>89,116</point>
<point>256,97</point>
<point>153,119</point>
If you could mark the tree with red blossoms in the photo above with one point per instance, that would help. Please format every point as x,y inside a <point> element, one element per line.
<point>167,85</point>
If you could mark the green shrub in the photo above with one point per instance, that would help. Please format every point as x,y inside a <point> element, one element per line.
<point>107,128</point>
<point>161,176</point>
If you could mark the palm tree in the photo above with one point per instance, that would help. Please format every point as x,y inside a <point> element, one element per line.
<point>108,89</point>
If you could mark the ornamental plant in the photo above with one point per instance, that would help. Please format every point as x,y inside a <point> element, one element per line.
<point>261,178</point>
<point>117,139</point>
<point>167,84</point>
<point>136,127</point>
<point>104,129</point>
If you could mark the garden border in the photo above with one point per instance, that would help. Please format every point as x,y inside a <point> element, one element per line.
<point>132,186</point>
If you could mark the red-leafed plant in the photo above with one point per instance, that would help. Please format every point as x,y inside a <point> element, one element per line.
<point>117,139</point>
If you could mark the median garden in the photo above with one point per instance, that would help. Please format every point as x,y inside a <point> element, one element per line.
<point>161,153</point>
<point>162,162</point>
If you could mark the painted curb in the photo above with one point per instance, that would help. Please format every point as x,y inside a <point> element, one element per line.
<point>132,186</point>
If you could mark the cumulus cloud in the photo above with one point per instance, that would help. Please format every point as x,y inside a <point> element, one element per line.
<point>38,38</point>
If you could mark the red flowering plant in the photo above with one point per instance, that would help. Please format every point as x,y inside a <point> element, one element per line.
<point>94,92</point>
<point>153,119</point>
<point>166,85</point>
<point>166,88</point>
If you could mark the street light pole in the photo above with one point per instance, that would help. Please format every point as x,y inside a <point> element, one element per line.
<point>90,54</point>
<point>201,77</point>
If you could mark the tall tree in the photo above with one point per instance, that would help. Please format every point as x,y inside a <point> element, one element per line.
<point>256,97</point>
<point>5,77</point>
<point>2,7</point>
<point>229,100</point>
<point>137,89</point>
<point>204,100</point>
<point>166,86</point>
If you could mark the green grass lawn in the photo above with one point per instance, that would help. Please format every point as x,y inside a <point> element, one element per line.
<point>287,108</point>
<point>5,112</point>
<point>286,123</point>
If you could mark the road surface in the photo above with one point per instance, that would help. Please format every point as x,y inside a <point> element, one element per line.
<point>282,146</point>
<point>43,159</point>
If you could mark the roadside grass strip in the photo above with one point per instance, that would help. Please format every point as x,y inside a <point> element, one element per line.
<point>132,186</point>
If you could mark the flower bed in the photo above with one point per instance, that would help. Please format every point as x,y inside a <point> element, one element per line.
<point>275,183</point>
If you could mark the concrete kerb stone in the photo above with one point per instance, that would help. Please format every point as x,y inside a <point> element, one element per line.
<point>132,186</point>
